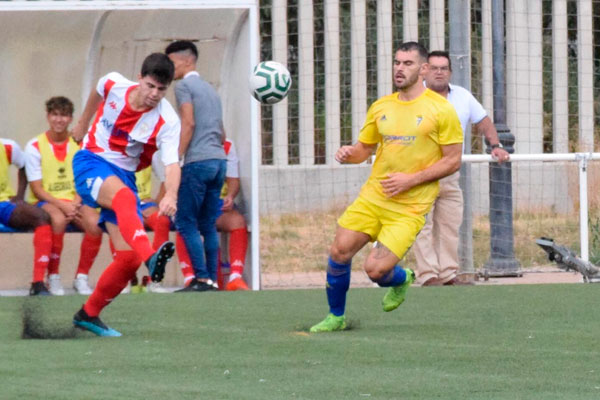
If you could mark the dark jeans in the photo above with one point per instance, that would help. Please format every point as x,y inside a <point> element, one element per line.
<point>197,209</point>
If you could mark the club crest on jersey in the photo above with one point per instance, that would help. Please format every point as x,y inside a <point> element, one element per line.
<point>144,128</point>
<point>113,105</point>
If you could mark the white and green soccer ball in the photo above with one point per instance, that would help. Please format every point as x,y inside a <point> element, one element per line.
<point>270,82</point>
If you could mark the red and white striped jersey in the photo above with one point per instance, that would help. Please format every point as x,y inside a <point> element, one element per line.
<point>129,138</point>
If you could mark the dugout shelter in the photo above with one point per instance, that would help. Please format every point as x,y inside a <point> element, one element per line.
<point>54,48</point>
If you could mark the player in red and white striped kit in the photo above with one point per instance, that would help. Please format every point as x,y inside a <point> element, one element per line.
<point>132,120</point>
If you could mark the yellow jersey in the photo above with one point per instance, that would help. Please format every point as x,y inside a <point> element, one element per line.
<point>143,181</point>
<point>57,170</point>
<point>6,189</point>
<point>409,135</point>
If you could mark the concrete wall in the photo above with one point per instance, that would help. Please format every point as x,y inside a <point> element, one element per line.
<point>536,185</point>
<point>306,188</point>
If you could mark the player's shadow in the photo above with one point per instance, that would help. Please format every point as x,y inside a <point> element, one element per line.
<point>37,323</point>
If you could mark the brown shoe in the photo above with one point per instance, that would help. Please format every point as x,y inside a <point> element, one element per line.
<point>457,282</point>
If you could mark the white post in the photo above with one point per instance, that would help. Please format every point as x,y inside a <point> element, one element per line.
<point>437,25</point>
<point>359,66</point>
<point>524,114</point>
<point>585,75</point>
<point>410,20</point>
<point>332,79</point>
<point>560,78</point>
<point>487,84</point>
<point>583,208</point>
<point>280,111</point>
<point>254,37</point>
<point>384,48</point>
<point>306,86</point>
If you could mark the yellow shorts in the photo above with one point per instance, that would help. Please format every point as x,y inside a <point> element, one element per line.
<point>394,230</point>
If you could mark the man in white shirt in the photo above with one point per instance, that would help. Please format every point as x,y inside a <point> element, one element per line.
<point>436,247</point>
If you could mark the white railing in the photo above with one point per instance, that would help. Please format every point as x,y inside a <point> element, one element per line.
<point>582,159</point>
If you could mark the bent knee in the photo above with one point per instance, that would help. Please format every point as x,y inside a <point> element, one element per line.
<point>339,254</point>
<point>375,271</point>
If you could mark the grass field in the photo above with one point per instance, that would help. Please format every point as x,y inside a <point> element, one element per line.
<point>481,342</point>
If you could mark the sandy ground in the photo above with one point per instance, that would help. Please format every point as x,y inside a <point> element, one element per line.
<point>311,280</point>
<point>359,279</point>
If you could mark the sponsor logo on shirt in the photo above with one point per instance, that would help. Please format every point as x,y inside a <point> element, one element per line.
<point>405,140</point>
<point>107,124</point>
<point>59,187</point>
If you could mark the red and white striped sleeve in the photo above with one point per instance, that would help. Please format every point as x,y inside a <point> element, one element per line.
<point>14,154</point>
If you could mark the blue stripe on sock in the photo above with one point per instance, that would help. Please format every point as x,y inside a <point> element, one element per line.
<point>396,277</point>
<point>338,282</point>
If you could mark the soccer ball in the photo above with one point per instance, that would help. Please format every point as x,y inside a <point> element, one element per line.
<point>270,82</point>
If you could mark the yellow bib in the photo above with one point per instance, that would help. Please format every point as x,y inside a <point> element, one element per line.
<point>57,176</point>
<point>6,189</point>
<point>143,181</point>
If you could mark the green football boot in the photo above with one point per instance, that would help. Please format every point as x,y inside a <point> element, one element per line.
<point>331,323</point>
<point>396,295</point>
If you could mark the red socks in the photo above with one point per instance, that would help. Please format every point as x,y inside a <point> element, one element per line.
<point>124,204</point>
<point>112,281</point>
<point>161,225</point>
<point>57,246</point>
<point>238,245</point>
<point>42,247</point>
<point>90,245</point>
<point>184,259</point>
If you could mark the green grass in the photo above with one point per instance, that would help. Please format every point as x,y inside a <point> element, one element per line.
<point>482,342</point>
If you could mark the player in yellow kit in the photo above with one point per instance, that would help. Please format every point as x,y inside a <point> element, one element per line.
<point>418,138</point>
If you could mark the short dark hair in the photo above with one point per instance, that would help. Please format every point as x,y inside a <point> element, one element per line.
<point>441,53</point>
<point>182,45</point>
<point>411,46</point>
<point>60,104</point>
<point>159,67</point>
